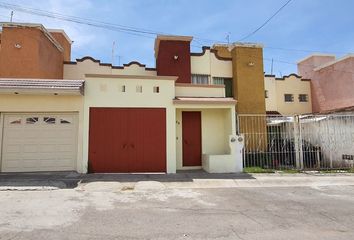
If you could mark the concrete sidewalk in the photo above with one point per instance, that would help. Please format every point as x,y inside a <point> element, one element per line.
<point>52,181</point>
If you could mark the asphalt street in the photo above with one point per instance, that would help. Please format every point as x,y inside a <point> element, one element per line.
<point>150,210</point>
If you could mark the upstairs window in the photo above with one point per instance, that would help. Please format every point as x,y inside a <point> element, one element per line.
<point>303,98</point>
<point>200,79</point>
<point>288,97</point>
<point>266,94</point>
<point>227,82</point>
<point>218,81</point>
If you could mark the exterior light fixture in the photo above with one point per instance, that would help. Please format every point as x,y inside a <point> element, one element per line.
<point>18,46</point>
<point>175,57</point>
<point>251,64</point>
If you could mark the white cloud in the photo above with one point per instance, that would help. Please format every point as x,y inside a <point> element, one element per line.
<point>81,35</point>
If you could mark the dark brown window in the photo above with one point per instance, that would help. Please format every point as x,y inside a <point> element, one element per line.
<point>49,120</point>
<point>31,120</point>
<point>288,97</point>
<point>156,89</point>
<point>303,98</point>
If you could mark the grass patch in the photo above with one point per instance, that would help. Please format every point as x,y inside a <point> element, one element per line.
<point>291,171</point>
<point>257,170</point>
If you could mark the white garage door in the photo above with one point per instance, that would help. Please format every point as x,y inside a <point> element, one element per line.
<point>39,142</point>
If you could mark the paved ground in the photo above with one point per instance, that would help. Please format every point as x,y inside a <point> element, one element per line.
<point>99,208</point>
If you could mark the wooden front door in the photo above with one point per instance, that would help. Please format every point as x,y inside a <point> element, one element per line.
<point>192,138</point>
<point>123,140</point>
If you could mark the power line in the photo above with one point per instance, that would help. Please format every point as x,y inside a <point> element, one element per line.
<point>141,32</point>
<point>304,50</point>
<point>84,21</point>
<point>265,23</point>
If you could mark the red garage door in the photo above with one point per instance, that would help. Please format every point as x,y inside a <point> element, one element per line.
<point>124,140</point>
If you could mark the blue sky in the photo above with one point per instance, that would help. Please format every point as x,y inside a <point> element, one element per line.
<point>315,25</point>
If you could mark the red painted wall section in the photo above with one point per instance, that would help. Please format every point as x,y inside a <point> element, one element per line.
<point>167,65</point>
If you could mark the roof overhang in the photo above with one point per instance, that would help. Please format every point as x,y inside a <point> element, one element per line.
<point>145,77</point>
<point>238,44</point>
<point>315,55</point>
<point>41,86</point>
<point>204,100</point>
<point>62,32</point>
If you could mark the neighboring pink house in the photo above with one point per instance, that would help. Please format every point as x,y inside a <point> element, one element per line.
<point>332,81</point>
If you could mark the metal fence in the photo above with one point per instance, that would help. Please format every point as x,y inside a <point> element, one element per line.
<point>301,142</point>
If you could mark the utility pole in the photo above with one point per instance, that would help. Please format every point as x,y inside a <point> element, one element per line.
<point>113,45</point>
<point>119,59</point>
<point>228,38</point>
<point>12,14</point>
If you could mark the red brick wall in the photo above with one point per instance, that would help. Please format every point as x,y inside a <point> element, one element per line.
<point>37,57</point>
<point>167,65</point>
<point>64,43</point>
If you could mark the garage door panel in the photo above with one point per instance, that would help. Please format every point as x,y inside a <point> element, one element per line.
<point>30,148</point>
<point>31,144</point>
<point>125,144</point>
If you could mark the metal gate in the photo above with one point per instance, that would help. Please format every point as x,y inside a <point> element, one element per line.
<point>302,142</point>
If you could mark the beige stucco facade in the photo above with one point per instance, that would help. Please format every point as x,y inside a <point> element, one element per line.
<point>103,88</point>
<point>88,65</point>
<point>276,89</point>
<point>208,63</point>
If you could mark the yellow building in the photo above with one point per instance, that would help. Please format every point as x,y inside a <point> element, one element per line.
<point>288,95</point>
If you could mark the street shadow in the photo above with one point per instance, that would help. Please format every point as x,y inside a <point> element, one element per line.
<point>37,181</point>
<point>70,180</point>
<point>180,176</point>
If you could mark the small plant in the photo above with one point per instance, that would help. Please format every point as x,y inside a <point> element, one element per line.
<point>257,170</point>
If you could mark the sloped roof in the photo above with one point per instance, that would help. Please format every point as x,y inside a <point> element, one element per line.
<point>9,85</point>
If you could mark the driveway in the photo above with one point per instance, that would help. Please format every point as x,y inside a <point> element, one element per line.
<point>145,209</point>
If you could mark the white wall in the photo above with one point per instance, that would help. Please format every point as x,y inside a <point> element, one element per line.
<point>335,136</point>
<point>191,90</point>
